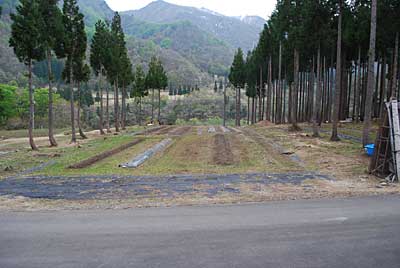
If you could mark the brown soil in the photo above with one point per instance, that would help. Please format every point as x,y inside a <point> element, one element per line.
<point>267,145</point>
<point>163,131</point>
<point>264,123</point>
<point>239,148</point>
<point>180,131</point>
<point>222,151</point>
<point>104,155</point>
<point>151,130</point>
<point>236,130</point>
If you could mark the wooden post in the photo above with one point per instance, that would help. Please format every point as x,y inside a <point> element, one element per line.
<point>396,135</point>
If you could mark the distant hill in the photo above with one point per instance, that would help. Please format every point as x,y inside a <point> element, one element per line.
<point>231,30</point>
<point>194,44</point>
<point>95,10</point>
<point>199,47</point>
<point>254,21</point>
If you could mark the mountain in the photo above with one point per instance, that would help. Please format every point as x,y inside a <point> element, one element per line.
<point>8,5</point>
<point>199,47</point>
<point>231,30</point>
<point>255,21</point>
<point>94,10</point>
<point>194,44</point>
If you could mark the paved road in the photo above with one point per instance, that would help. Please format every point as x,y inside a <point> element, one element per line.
<point>362,232</point>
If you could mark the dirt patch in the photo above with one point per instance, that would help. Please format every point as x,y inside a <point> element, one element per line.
<point>264,123</point>
<point>235,130</point>
<point>104,155</point>
<point>225,129</point>
<point>199,131</point>
<point>164,130</point>
<point>239,149</point>
<point>180,131</point>
<point>222,151</point>
<point>146,131</point>
<point>281,154</point>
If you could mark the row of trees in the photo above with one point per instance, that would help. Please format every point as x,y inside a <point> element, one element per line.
<point>322,60</point>
<point>40,30</point>
<point>182,90</point>
<point>14,103</point>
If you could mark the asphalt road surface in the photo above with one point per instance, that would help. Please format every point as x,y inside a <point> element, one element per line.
<point>361,232</point>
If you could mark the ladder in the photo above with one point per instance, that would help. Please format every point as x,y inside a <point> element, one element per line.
<point>384,163</point>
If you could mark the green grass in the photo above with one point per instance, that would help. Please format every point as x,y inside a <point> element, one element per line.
<point>189,154</point>
<point>22,158</point>
<point>193,154</point>
<point>108,166</point>
<point>347,150</point>
<point>23,133</point>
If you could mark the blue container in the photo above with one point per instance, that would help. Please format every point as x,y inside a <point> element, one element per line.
<point>369,149</point>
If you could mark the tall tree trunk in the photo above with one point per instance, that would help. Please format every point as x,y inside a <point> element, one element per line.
<point>336,110</point>
<point>383,89</point>
<point>101,127</point>
<point>269,92</point>
<point>260,97</point>
<point>253,110</point>
<point>375,104</point>
<point>248,110</point>
<point>236,106</point>
<point>123,109</point>
<point>355,90</point>
<point>108,111</point>
<point>152,106</point>
<point>295,87</point>
<point>331,93</point>
<point>239,106</point>
<point>290,104</point>
<point>358,87</point>
<point>224,110</point>
<point>304,97</point>
<point>343,93</point>
<point>273,104</point>
<point>52,140</point>
<point>318,97</point>
<point>349,84</point>
<point>78,116</point>
<point>159,106</point>
<point>31,109</point>
<point>371,75</point>
<point>312,91</point>
<point>324,112</point>
<point>140,111</point>
<point>71,90</point>
<point>263,105</point>
<point>300,97</point>
<point>279,89</point>
<point>395,67</point>
<point>116,105</point>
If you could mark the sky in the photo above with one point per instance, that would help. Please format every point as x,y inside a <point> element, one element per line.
<point>262,8</point>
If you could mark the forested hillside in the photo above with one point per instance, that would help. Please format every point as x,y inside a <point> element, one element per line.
<point>192,51</point>
<point>233,31</point>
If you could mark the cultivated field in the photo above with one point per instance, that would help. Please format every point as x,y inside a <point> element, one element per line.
<point>202,165</point>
